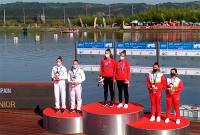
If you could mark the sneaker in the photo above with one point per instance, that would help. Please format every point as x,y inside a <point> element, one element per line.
<point>167,120</point>
<point>125,106</point>
<point>78,111</point>
<point>104,104</point>
<point>72,110</point>
<point>178,121</point>
<point>63,110</point>
<point>57,110</point>
<point>120,105</point>
<point>153,118</point>
<point>158,119</point>
<point>111,104</point>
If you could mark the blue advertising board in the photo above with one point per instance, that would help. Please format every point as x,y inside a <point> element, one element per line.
<point>136,45</point>
<point>95,45</point>
<point>180,45</point>
<point>141,45</point>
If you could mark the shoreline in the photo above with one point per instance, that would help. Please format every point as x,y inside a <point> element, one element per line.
<point>89,29</point>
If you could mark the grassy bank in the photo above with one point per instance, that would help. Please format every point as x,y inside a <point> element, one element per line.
<point>54,29</point>
<point>18,29</point>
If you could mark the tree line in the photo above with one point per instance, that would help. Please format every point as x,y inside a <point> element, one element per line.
<point>55,12</point>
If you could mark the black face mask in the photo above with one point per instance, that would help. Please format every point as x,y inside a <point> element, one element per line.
<point>155,70</point>
<point>173,74</point>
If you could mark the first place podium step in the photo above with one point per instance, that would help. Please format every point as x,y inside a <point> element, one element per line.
<point>99,120</point>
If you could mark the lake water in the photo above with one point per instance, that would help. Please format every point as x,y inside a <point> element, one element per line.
<point>32,61</point>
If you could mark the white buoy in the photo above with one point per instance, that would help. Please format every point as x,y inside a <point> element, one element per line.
<point>55,36</point>
<point>85,34</point>
<point>15,40</point>
<point>37,37</point>
<point>71,35</point>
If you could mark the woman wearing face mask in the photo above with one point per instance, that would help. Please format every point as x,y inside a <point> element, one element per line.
<point>107,73</point>
<point>173,87</point>
<point>123,79</point>
<point>75,78</point>
<point>155,83</point>
<point>59,74</point>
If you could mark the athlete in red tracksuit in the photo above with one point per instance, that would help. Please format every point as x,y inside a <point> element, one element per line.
<point>155,83</point>
<point>173,87</point>
<point>107,73</point>
<point>123,79</point>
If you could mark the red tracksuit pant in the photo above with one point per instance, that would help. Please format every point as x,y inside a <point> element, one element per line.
<point>155,103</point>
<point>173,100</point>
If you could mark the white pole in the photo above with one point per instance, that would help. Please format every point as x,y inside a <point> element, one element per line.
<point>24,16</point>
<point>109,11</point>
<point>132,10</point>
<point>64,16</point>
<point>4,16</point>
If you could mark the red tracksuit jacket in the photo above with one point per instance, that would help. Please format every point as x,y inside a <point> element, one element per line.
<point>122,70</point>
<point>160,81</point>
<point>178,85</point>
<point>107,68</point>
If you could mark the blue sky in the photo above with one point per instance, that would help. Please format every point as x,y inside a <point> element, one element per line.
<point>99,1</point>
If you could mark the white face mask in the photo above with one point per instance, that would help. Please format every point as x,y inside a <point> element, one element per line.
<point>121,58</point>
<point>75,66</point>
<point>59,64</point>
<point>107,55</point>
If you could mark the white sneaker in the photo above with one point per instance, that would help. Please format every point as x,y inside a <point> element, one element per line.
<point>178,121</point>
<point>158,119</point>
<point>167,120</point>
<point>119,105</point>
<point>152,118</point>
<point>125,106</point>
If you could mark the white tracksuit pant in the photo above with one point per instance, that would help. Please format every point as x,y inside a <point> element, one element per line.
<point>60,93</point>
<point>75,91</point>
<point>75,94</point>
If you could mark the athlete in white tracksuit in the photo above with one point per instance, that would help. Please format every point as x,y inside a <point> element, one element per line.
<point>75,77</point>
<point>59,75</point>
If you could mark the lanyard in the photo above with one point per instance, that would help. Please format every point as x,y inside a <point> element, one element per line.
<point>122,65</point>
<point>107,62</point>
<point>58,71</point>
<point>153,77</point>
<point>74,73</point>
<point>173,81</point>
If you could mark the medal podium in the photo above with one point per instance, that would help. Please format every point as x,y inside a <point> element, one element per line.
<point>99,120</point>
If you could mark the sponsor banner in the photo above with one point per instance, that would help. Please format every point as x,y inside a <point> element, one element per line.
<point>139,69</point>
<point>94,47</point>
<point>142,48</point>
<point>26,94</point>
<point>99,45</point>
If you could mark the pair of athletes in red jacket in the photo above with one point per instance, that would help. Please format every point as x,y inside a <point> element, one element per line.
<point>112,71</point>
<point>173,86</point>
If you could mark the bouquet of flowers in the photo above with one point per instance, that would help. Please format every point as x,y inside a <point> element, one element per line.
<point>154,88</point>
<point>100,82</point>
<point>56,77</point>
<point>171,88</point>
